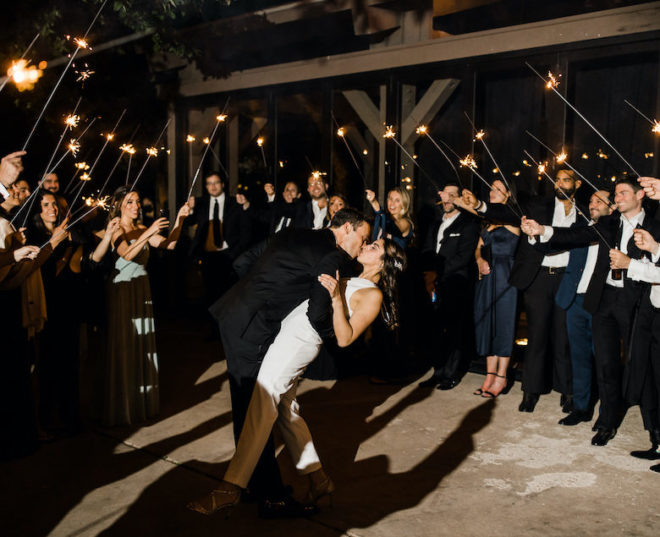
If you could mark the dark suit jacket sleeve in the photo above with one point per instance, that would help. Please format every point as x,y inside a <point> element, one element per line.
<point>574,237</point>
<point>244,262</point>
<point>319,311</point>
<point>466,247</point>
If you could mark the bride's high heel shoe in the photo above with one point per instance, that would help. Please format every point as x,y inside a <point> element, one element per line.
<point>224,498</point>
<point>322,489</point>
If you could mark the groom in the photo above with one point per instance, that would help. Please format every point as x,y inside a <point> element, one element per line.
<point>276,277</point>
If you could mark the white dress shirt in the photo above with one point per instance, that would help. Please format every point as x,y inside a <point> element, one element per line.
<point>589,266</point>
<point>628,225</point>
<point>446,222</point>
<point>560,219</point>
<point>643,270</point>
<point>4,192</point>
<point>319,214</point>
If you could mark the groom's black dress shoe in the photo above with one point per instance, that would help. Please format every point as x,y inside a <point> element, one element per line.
<point>286,508</point>
<point>603,436</point>
<point>566,403</point>
<point>529,402</point>
<point>447,384</point>
<point>650,454</point>
<point>575,417</point>
<point>655,468</point>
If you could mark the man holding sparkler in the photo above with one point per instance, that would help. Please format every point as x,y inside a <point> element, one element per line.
<point>612,298</point>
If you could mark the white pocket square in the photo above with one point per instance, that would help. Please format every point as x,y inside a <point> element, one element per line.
<point>454,234</point>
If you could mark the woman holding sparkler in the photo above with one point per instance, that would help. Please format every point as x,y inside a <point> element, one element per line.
<point>57,365</point>
<point>132,364</point>
<point>495,298</point>
<point>396,223</point>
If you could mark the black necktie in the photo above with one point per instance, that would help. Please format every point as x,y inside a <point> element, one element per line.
<point>217,226</point>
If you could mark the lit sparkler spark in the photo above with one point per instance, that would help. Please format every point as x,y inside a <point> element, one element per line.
<point>128,148</point>
<point>84,75</point>
<point>81,42</point>
<point>656,126</point>
<point>541,168</point>
<point>72,120</point>
<point>74,146</point>
<point>190,138</point>
<point>561,157</point>
<point>260,141</point>
<point>317,174</point>
<point>585,156</point>
<point>85,177</point>
<point>602,155</point>
<point>103,202</point>
<point>207,140</point>
<point>526,163</point>
<point>110,136</point>
<point>421,130</point>
<point>468,162</point>
<point>152,151</point>
<point>221,117</point>
<point>479,135</point>
<point>89,201</point>
<point>82,165</point>
<point>341,132</point>
<point>389,132</point>
<point>24,75</point>
<point>553,81</point>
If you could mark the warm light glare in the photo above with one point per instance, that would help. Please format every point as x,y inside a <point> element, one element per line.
<point>82,165</point>
<point>389,132</point>
<point>341,132</point>
<point>260,141</point>
<point>85,177</point>
<point>207,140</point>
<point>541,168</point>
<point>221,117</point>
<point>602,155</point>
<point>152,151</point>
<point>110,136</point>
<point>561,157</point>
<point>479,135</point>
<point>585,156</point>
<point>24,75</point>
<point>656,126</point>
<point>422,130</point>
<point>516,173</point>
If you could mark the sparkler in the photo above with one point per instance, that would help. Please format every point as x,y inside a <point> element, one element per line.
<point>80,43</point>
<point>260,143</point>
<point>579,211</point>
<point>390,134</point>
<point>151,152</point>
<point>654,122</point>
<point>423,130</point>
<point>219,119</point>
<point>568,165</point>
<point>87,176</point>
<point>480,136</point>
<point>23,74</point>
<point>122,152</point>
<point>102,205</point>
<point>7,78</point>
<point>551,85</point>
<point>341,132</point>
<point>83,74</point>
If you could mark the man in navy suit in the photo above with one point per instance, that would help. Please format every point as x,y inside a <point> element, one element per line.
<point>570,297</point>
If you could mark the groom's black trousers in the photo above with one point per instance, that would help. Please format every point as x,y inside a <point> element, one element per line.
<point>243,363</point>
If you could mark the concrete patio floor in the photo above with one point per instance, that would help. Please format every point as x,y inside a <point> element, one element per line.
<point>406,461</point>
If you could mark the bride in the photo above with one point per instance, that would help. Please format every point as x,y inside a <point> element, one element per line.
<point>355,304</point>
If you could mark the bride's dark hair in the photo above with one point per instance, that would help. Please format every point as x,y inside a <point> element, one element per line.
<point>394,263</point>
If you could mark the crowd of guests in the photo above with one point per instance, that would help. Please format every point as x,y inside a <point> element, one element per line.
<point>586,278</point>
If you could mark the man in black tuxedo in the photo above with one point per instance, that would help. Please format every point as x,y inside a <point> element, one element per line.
<point>613,299</point>
<point>539,277</point>
<point>276,276</point>
<point>312,213</point>
<point>222,234</point>
<point>448,262</point>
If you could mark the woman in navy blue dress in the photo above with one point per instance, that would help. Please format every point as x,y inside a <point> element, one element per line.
<point>495,298</point>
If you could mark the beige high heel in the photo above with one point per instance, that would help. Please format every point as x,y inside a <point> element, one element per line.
<point>219,499</point>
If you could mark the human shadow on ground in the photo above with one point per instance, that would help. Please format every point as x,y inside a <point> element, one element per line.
<point>367,491</point>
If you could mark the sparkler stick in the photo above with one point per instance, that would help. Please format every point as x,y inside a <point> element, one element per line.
<point>391,135</point>
<point>260,143</point>
<point>423,130</point>
<point>121,154</point>
<point>219,119</point>
<point>654,122</point>
<point>480,136</point>
<point>4,82</point>
<point>586,218</point>
<point>91,170</point>
<point>342,134</point>
<point>551,84</point>
<point>128,171</point>
<point>151,152</point>
<point>80,43</point>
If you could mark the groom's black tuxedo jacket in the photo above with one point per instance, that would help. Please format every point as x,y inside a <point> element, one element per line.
<point>284,275</point>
